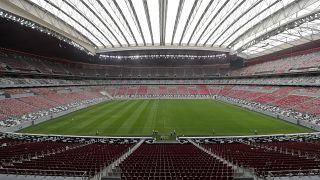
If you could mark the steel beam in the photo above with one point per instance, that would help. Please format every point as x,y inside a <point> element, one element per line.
<point>237,19</point>
<point>163,7</point>
<point>200,19</point>
<point>101,20</point>
<point>187,23</point>
<point>180,7</point>
<point>85,17</point>
<point>273,18</point>
<point>137,20</point>
<point>299,36</point>
<point>146,10</point>
<point>285,42</point>
<point>253,17</point>
<point>286,45</point>
<point>125,20</point>
<point>224,19</point>
<point>284,27</point>
<point>310,28</point>
<point>212,19</point>
<point>112,19</point>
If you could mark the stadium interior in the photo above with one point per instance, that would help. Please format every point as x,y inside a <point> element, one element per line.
<point>160,89</point>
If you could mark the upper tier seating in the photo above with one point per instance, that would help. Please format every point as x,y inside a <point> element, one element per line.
<point>13,62</point>
<point>283,65</point>
<point>173,161</point>
<point>19,62</point>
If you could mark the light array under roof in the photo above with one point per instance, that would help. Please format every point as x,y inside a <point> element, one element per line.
<point>30,24</point>
<point>164,56</point>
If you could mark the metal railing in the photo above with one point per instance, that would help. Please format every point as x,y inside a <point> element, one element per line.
<point>40,172</point>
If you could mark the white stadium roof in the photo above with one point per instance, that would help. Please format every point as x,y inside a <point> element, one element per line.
<point>250,28</point>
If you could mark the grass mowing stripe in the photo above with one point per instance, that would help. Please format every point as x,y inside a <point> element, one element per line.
<point>149,118</point>
<point>154,122</point>
<point>159,116</point>
<point>59,124</point>
<point>65,124</point>
<point>124,114</point>
<point>271,124</point>
<point>137,126</point>
<point>132,119</point>
<point>110,117</point>
<point>188,117</point>
<point>83,120</point>
<point>93,123</point>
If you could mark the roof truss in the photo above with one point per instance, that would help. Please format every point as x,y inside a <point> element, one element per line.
<point>212,24</point>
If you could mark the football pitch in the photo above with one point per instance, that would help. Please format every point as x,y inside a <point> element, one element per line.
<point>186,117</point>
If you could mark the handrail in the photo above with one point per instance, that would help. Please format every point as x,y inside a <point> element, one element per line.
<point>290,172</point>
<point>43,172</point>
<point>249,136</point>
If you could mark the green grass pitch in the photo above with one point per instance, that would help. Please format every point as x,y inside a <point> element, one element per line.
<point>186,117</point>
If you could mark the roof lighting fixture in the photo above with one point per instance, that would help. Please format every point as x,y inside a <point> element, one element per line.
<point>25,22</point>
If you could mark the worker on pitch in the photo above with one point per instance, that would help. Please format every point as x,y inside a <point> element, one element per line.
<point>97,133</point>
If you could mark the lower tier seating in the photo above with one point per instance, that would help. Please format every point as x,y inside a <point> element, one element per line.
<point>72,160</point>
<point>274,156</point>
<point>173,161</point>
<point>264,161</point>
<point>19,103</point>
<point>310,149</point>
<point>27,150</point>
